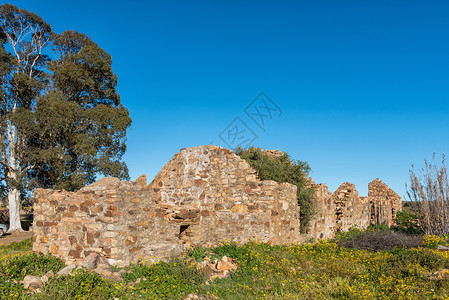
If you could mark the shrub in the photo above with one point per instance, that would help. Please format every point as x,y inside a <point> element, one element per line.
<point>283,169</point>
<point>430,191</point>
<point>378,227</point>
<point>432,241</point>
<point>353,232</point>
<point>401,261</point>
<point>378,240</point>
<point>407,222</point>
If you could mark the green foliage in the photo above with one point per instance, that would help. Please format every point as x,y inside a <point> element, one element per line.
<point>24,245</point>
<point>407,222</point>
<point>84,285</point>
<point>283,169</point>
<point>81,123</point>
<point>432,241</point>
<point>319,271</point>
<point>61,119</point>
<point>353,231</point>
<point>326,271</point>
<point>199,253</point>
<point>230,250</point>
<point>12,290</point>
<point>33,264</point>
<point>174,279</point>
<point>401,261</point>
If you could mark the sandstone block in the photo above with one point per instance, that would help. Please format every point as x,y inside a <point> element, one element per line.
<point>241,209</point>
<point>66,271</point>
<point>32,282</point>
<point>47,276</point>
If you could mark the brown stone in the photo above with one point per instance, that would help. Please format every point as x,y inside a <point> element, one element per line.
<point>105,242</point>
<point>66,271</point>
<point>84,208</point>
<point>32,282</point>
<point>75,253</point>
<point>112,213</point>
<point>73,208</point>
<point>142,181</point>
<point>187,214</point>
<point>142,223</point>
<point>72,240</point>
<point>135,200</point>
<point>200,182</point>
<point>68,214</point>
<point>135,249</point>
<point>239,208</point>
<point>90,238</point>
<point>106,251</point>
<point>218,207</point>
<point>130,240</point>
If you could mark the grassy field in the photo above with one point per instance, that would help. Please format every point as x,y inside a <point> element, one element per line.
<point>323,270</point>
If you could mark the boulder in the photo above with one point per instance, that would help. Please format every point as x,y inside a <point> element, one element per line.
<point>32,282</point>
<point>66,271</point>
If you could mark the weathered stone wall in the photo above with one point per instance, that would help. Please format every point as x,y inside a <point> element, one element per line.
<point>323,224</point>
<point>96,218</point>
<point>345,208</point>
<point>350,208</point>
<point>385,203</point>
<point>203,195</point>
<point>233,204</point>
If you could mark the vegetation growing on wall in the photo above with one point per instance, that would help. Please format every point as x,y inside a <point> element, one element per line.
<point>283,169</point>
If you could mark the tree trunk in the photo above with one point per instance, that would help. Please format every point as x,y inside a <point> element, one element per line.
<point>14,210</point>
<point>13,192</point>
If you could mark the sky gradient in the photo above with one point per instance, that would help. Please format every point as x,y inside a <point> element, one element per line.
<point>361,87</point>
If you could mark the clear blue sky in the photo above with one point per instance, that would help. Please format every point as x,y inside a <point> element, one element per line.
<point>362,85</point>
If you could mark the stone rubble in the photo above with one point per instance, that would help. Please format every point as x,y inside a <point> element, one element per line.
<point>94,263</point>
<point>218,268</point>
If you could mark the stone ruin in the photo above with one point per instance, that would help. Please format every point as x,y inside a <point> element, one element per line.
<point>202,196</point>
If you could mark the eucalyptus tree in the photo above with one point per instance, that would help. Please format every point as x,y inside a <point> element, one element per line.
<point>23,80</point>
<point>62,122</point>
<point>80,122</point>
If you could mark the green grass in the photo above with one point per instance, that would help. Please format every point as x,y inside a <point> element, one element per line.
<point>310,271</point>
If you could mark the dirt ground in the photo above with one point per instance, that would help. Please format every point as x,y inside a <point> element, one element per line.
<point>15,237</point>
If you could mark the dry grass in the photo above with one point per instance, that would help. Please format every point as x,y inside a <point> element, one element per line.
<point>429,190</point>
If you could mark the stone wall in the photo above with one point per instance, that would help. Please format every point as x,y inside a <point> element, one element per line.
<point>202,196</point>
<point>345,208</point>
<point>323,224</point>
<point>385,203</point>
<point>233,204</point>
